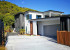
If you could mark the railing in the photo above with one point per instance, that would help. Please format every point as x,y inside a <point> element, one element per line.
<point>63,37</point>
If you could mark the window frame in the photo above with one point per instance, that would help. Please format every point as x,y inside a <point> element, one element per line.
<point>29,16</point>
<point>38,16</point>
<point>46,16</point>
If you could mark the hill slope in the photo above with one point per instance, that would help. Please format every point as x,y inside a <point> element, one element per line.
<point>8,10</point>
<point>7,7</point>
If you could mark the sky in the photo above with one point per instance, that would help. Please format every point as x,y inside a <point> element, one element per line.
<point>44,5</point>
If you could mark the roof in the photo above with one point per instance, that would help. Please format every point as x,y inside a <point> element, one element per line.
<point>38,12</point>
<point>19,13</point>
<point>34,11</point>
<point>27,11</point>
<point>54,11</point>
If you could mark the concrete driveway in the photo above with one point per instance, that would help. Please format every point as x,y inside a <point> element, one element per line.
<point>33,43</point>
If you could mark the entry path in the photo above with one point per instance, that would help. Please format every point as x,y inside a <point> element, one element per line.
<point>33,43</point>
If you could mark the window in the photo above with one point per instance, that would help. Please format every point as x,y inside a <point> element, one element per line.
<point>29,16</point>
<point>38,16</point>
<point>46,16</point>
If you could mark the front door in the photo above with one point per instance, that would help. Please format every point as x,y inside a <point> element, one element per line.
<point>31,28</point>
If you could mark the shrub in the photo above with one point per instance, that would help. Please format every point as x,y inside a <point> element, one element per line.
<point>22,31</point>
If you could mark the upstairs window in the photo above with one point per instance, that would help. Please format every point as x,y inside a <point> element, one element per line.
<point>46,16</point>
<point>29,16</point>
<point>38,16</point>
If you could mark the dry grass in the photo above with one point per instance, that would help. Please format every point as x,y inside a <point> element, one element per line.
<point>2,47</point>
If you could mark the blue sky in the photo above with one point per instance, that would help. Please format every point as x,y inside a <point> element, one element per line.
<point>44,5</point>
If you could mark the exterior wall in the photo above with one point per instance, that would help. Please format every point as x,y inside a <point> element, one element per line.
<point>19,22</point>
<point>27,25</point>
<point>35,27</point>
<point>22,21</point>
<point>52,13</point>
<point>36,13</point>
<point>43,23</point>
<point>27,22</point>
<point>46,13</point>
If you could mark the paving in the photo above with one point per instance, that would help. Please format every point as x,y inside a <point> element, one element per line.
<point>33,43</point>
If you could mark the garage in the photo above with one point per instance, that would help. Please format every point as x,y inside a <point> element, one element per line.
<point>51,30</point>
<point>46,27</point>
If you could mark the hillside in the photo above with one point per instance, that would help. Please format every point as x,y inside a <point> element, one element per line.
<point>7,7</point>
<point>8,10</point>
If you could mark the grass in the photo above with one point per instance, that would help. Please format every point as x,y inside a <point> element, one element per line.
<point>2,47</point>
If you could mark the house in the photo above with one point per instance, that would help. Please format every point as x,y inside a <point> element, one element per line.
<point>1,31</point>
<point>38,23</point>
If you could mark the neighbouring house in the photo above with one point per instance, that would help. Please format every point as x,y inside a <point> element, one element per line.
<point>39,23</point>
<point>1,31</point>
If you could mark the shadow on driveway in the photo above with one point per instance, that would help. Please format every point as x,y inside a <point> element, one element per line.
<point>52,38</point>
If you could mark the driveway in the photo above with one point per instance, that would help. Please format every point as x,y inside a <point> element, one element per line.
<point>33,43</point>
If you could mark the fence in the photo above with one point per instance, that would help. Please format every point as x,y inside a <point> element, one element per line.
<point>63,37</point>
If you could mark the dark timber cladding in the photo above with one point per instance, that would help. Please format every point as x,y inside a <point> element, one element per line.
<point>65,23</point>
<point>31,27</point>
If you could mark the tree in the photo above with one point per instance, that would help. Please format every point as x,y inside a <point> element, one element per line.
<point>8,19</point>
<point>1,16</point>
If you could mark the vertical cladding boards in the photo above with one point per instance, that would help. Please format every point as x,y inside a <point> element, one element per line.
<point>17,22</point>
<point>22,21</point>
<point>68,24</point>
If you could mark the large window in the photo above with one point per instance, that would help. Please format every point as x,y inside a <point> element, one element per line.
<point>38,16</point>
<point>46,16</point>
<point>29,16</point>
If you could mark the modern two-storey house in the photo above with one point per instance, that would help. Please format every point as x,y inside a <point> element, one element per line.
<point>38,23</point>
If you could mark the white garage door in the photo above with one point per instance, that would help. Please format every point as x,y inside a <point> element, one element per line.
<point>51,30</point>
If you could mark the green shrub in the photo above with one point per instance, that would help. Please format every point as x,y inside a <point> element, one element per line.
<point>22,31</point>
<point>7,29</point>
